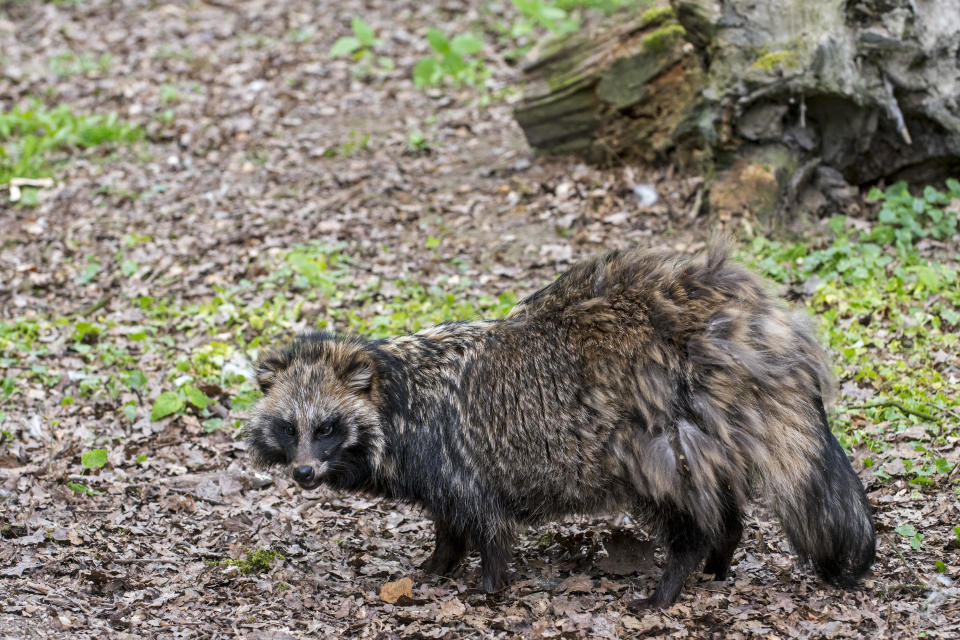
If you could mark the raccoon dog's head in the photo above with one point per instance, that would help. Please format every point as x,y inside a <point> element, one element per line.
<point>318,415</point>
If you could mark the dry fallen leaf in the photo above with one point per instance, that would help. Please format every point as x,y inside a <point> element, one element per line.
<point>576,584</point>
<point>630,623</point>
<point>391,591</point>
<point>450,610</point>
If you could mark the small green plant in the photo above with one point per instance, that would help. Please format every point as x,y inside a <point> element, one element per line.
<point>359,44</point>
<point>176,402</point>
<point>300,35</point>
<point>212,424</point>
<point>169,94</point>
<point>93,459</point>
<point>910,532</point>
<point>82,488</point>
<point>244,398</point>
<point>417,142</point>
<point>8,387</point>
<point>89,272</point>
<point>166,404</point>
<point>454,61</point>
<point>70,64</point>
<point>357,142</point>
<point>545,14</point>
<point>547,539</point>
<point>360,47</point>
<point>169,52</point>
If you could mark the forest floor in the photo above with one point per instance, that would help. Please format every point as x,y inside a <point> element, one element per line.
<point>251,186</point>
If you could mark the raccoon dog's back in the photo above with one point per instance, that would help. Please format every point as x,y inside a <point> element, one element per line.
<point>639,379</point>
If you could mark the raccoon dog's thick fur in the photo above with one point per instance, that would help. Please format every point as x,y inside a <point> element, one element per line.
<point>639,380</point>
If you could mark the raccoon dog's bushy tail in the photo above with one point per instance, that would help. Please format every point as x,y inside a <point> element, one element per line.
<point>763,373</point>
<point>827,517</point>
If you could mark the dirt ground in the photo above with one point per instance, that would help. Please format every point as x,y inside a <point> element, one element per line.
<point>268,144</point>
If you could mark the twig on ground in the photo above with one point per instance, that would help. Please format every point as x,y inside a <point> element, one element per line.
<point>144,560</point>
<point>896,404</point>
<point>909,567</point>
<point>309,504</point>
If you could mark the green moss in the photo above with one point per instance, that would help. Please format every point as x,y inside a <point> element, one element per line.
<point>658,41</point>
<point>775,60</point>
<point>655,15</point>
<point>257,561</point>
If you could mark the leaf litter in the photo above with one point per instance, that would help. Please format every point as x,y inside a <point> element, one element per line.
<point>141,260</point>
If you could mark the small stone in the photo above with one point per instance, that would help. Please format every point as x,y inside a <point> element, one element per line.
<point>646,194</point>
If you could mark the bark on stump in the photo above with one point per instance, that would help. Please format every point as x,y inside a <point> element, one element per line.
<point>784,105</point>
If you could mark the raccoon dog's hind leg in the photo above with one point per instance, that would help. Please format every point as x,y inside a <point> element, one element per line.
<point>450,548</point>
<point>686,544</point>
<point>718,562</point>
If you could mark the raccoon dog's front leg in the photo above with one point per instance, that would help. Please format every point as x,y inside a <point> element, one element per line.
<point>448,552</point>
<point>493,562</point>
<point>494,554</point>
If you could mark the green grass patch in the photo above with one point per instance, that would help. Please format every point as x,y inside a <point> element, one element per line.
<point>455,61</point>
<point>229,326</point>
<point>891,317</point>
<point>35,139</point>
<point>69,63</point>
<point>84,489</point>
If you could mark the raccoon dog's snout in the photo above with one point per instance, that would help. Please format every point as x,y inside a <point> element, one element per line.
<point>304,475</point>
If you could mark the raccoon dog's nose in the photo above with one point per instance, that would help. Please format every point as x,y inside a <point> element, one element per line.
<point>303,474</point>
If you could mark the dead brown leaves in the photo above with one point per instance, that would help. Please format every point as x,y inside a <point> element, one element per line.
<point>235,178</point>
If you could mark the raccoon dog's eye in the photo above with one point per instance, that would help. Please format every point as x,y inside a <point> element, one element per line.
<point>285,427</point>
<point>325,429</point>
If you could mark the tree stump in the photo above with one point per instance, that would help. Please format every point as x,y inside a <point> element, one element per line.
<point>784,105</point>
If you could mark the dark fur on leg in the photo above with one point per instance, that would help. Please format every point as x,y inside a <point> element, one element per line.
<point>686,545</point>
<point>494,556</point>
<point>448,552</point>
<point>718,562</point>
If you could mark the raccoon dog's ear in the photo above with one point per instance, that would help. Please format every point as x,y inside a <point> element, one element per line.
<point>357,374</point>
<point>269,365</point>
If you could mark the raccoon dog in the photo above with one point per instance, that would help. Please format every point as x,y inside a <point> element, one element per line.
<point>639,380</point>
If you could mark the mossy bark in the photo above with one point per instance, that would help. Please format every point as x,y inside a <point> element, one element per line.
<point>818,95</point>
<point>577,87</point>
